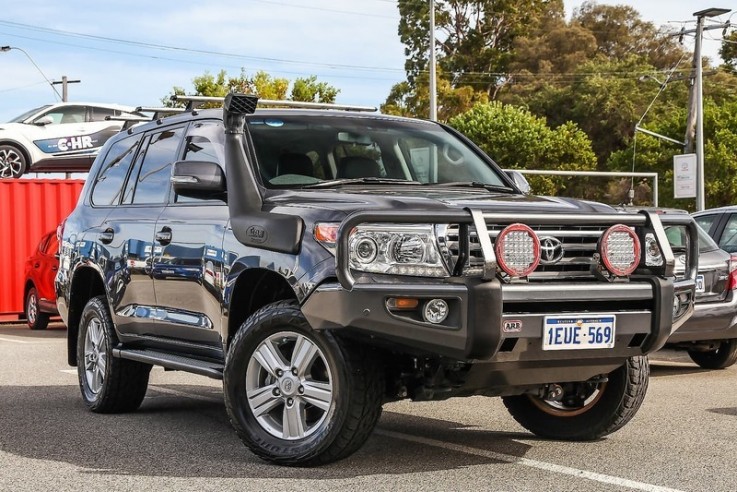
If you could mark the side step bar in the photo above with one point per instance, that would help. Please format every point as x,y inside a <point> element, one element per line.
<point>171,361</point>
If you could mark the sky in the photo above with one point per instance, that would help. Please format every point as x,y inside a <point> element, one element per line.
<point>134,52</point>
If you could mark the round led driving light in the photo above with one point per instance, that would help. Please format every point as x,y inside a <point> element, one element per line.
<point>435,311</point>
<point>619,248</point>
<point>517,250</point>
<point>366,250</point>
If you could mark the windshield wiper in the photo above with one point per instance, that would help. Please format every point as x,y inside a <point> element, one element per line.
<point>473,184</point>
<point>343,181</point>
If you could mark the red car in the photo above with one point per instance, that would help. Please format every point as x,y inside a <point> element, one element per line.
<point>39,295</point>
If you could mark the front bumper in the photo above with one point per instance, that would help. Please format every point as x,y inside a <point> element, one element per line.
<point>493,322</point>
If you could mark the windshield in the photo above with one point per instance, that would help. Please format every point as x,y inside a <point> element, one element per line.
<point>301,150</point>
<point>27,114</point>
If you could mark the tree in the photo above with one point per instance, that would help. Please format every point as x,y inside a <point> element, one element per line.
<point>517,139</point>
<point>404,100</point>
<point>728,51</point>
<point>475,37</point>
<point>260,84</point>
<point>720,159</point>
<point>621,32</point>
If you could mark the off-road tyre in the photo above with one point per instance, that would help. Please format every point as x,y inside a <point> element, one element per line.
<point>356,379</point>
<point>720,358</point>
<point>618,401</point>
<point>34,317</point>
<point>13,162</point>
<point>122,383</point>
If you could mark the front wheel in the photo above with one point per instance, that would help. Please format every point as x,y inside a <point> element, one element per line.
<point>35,318</point>
<point>585,411</point>
<point>108,384</point>
<point>297,396</point>
<point>720,358</point>
<point>12,162</point>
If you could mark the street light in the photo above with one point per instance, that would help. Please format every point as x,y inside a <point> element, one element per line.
<point>700,15</point>
<point>8,48</point>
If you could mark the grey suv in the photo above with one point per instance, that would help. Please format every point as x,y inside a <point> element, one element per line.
<point>322,262</point>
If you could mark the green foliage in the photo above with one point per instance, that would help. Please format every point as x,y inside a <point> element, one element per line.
<point>516,138</point>
<point>261,84</point>
<point>728,52</point>
<point>720,160</point>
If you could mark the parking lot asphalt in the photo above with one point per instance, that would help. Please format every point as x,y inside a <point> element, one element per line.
<point>683,438</point>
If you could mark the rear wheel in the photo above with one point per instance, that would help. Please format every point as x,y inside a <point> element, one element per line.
<point>35,318</point>
<point>108,384</point>
<point>585,411</point>
<point>297,396</point>
<point>12,162</point>
<point>720,358</point>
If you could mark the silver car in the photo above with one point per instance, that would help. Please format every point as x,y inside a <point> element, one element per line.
<point>710,335</point>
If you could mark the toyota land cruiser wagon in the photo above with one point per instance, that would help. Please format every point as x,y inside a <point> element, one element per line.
<point>322,262</point>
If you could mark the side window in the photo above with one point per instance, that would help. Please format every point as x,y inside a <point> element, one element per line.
<point>114,169</point>
<point>705,221</point>
<point>204,142</point>
<point>98,114</point>
<point>152,182</point>
<point>728,241</point>
<point>67,114</point>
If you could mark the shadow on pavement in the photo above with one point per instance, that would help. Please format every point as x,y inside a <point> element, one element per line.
<point>660,369</point>
<point>731,411</point>
<point>183,437</point>
<point>21,331</point>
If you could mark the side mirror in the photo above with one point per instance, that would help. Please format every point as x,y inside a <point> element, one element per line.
<point>43,121</point>
<point>519,180</point>
<point>198,179</point>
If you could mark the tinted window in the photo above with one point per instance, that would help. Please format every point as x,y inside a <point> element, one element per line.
<point>728,241</point>
<point>109,182</point>
<point>67,114</point>
<point>99,114</point>
<point>204,142</point>
<point>705,221</point>
<point>152,183</point>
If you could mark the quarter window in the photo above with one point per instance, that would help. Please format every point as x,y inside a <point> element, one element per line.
<point>109,182</point>
<point>728,241</point>
<point>705,221</point>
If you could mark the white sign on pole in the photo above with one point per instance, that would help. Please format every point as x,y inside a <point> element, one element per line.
<point>684,176</point>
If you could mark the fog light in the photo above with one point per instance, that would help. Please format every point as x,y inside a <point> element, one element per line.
<point>676,306</point>
<point>435,311</point>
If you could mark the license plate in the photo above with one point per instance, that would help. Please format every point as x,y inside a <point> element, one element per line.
<point>579,332</point>
<point>700,284</point>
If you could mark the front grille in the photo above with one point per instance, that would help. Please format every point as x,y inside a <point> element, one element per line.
<point>571,248</point>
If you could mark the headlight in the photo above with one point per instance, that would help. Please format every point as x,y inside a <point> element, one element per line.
<point>398,249</point>
<point>619,248</point>
<point>653,255</point>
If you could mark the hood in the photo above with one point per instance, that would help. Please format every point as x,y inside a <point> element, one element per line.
<point>341,202</point>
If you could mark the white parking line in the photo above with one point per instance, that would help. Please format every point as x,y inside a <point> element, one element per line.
<point>12,340</point>
<point>542,465</point>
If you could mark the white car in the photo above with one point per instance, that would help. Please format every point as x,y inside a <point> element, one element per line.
<point>58,137</point>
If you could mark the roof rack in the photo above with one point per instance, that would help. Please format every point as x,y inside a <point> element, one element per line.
<point>193,102</point>
<point>159,112</point>
<point>129,120</point>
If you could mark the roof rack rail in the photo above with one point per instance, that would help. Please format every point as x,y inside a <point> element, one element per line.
<point>159,112</point>
<point>193,102</point>
<point>129,120</point>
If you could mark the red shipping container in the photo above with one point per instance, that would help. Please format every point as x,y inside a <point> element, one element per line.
<point>30,208</point>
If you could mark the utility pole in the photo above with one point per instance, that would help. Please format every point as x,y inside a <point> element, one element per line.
<point>433,89</point>
<point>64,86</point>
<point>696,97</point>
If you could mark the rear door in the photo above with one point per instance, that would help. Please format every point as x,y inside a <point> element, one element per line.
<point>188,257</point>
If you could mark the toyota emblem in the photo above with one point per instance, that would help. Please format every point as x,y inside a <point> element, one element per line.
<point>551,250</point>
